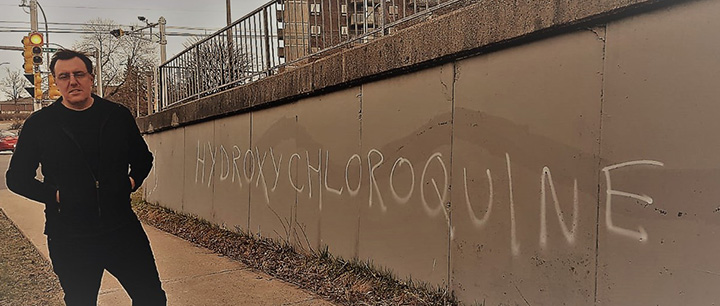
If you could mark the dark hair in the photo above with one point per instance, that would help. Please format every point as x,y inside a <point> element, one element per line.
<point>65,54</point>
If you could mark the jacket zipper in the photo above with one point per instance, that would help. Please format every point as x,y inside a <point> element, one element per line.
<point>97,183</point>
<point>97,193</point>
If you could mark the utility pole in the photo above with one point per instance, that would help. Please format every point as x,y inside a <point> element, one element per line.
<point>149,90</point>
<point>228,12</point>
<point>228,34</point>
<point>137,94</point>
<point>229,21</point>
<point>163,40</point>
<point>98,65</point>
<point>163,56</point>
<point>33,28</point>
<point>33,16</point>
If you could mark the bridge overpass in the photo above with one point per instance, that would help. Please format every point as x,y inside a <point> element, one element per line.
<point>515,152</point>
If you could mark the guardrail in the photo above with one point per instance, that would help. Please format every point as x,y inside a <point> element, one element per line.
<point>277,36</point>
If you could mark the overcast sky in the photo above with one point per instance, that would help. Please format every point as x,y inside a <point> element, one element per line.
<point>207,14</point>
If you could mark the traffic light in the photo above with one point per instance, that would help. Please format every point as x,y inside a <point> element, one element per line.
<point>117,33</point>
<point>27,54</point>
<point>38,86</point>
<point>53,92</point>
<point>36,40</point>
<point>28,65</point>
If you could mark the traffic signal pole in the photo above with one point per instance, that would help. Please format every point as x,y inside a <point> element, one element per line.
<point>33,16</point>
<point>33,29</point>
<point>98,67</point>
<point>163,51</point>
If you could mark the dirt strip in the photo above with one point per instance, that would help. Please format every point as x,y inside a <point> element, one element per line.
<point>26,278</point>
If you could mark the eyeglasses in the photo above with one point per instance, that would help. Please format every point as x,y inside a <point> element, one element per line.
<point>79,75</point>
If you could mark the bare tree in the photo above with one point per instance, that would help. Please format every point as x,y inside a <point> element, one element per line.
<point>136,91</point>
<point>215,64</point>
<point>13,85</point>
<point>118,56</point>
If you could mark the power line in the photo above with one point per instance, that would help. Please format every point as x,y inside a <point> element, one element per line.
<point>70,31</point>
<point>119,8</point>
<point>113,25</point>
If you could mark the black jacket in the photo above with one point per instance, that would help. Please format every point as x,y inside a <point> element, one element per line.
<point>90,203</point>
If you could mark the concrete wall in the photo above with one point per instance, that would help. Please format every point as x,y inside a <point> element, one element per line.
<point>576,169</point>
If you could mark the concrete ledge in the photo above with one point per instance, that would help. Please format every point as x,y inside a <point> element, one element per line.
<point>476,28</point>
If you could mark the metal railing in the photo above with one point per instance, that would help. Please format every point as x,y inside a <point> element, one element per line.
<point>277,36</point>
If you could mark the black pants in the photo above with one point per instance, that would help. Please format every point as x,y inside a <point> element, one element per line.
<point>125,253</point>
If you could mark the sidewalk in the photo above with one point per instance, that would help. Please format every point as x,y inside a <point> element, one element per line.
<point>190,275</point>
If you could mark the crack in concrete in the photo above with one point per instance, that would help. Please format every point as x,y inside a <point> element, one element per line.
<point>599,37</point>
<point>521,295</point>
<point>599,142</point>
<point>175,280</point>
<point>299,302</point>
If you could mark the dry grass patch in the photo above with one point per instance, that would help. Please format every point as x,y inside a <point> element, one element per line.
<point>26,277</point>
<point>341,281</point>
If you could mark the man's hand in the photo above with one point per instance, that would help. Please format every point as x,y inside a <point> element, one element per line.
<point>57,196</point>
<point>132,182</point>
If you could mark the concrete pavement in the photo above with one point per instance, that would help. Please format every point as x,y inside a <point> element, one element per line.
<point>190,275</point>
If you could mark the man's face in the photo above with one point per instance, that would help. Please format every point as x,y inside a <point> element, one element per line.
<point>74,82</point>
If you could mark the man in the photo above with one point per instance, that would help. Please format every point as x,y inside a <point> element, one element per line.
<point>85,145</point>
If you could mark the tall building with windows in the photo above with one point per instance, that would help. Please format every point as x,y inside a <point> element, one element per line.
<point>308,26</point>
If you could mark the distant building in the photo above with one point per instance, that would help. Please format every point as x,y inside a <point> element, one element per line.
<point>23,106</point>
<point>308,26</point>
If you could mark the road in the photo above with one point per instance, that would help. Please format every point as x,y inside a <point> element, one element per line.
<point>4,158</point>
<point>4,161</point>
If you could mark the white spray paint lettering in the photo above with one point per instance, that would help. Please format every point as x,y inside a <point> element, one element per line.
<point>276,167</point>
<point>514,244</point>
<point>213,155</point>
<point>569,234</point>
<point>479,223</point>
<point>640,234</point>
<point>373,180</point>
<point>375,159</point>
<point>261,174</point>
<point>353,192</point>
<point>400,161</point>
<point>224,167</point>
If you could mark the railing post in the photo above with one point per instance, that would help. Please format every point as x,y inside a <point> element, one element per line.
<point>197,71</point>
<point>159,88</point>
<point>267,40</point>
<point>383,16</point>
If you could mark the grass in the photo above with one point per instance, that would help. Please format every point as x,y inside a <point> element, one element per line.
<point>344,282</point>
<point>26,277</point>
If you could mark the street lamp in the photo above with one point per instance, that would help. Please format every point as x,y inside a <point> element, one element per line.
<point>147,24</point>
